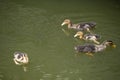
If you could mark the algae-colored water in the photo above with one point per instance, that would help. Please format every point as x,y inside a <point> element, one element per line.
<point>34,27</point>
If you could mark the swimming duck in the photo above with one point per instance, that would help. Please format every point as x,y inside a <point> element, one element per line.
<point>80,26</point>
<point>90,36</point>
<point>20,58</point>
<point>89,49</point>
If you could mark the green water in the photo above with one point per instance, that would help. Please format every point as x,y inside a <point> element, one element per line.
<point>34,27</point>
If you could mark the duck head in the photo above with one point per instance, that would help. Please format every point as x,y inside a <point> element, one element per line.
<point>66,21</point>
<point>20,58</point>
<point>80,34</point>
<point>110,43</point>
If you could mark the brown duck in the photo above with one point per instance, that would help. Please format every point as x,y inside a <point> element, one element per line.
<point>79,26</point>
<point>90,36</point>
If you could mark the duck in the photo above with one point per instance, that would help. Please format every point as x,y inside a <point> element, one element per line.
<point>89,36</point>
<point>84,26</point>
<point>89,49</point>
<point>20,58</point>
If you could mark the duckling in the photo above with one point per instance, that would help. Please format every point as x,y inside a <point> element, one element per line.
<point>80,26</point>
<point>90,36</point>
<point>20,58</point>
<point>89,49</point>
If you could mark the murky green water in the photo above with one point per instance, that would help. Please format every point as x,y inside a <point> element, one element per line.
<point>34,27</point>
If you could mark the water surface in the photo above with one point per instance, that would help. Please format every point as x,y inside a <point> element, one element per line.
<point>34,27</point>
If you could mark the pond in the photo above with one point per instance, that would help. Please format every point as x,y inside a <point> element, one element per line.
<point>34,27</point>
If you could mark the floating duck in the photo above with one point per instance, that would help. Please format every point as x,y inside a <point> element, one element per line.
<point>90,36</point>
<point>20,58</point>
<point>89,49</point>
<point>80,26</point>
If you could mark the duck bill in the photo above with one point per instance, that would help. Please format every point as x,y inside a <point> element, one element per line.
<point>75,35</point>
<point>114,46</point>
<point>62,24</point>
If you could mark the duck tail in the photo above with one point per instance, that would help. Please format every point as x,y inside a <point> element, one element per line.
<point>97,36</point>
<point>92,24</point>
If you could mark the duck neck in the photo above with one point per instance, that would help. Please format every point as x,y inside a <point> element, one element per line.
<point>81,37</point>
<point>100,47</point>
<point>70,25</point>
<point>104,44</point>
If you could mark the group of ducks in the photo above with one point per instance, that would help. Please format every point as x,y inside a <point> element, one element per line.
<point>89,49</point>
<point>21,58</point>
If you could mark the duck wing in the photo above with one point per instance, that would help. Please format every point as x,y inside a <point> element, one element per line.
<point>79,48</point>
<point>85,48</point>
<point>88,24</point>
<point>84,25</point>
<point>88,49</point>
<point>87,36</point>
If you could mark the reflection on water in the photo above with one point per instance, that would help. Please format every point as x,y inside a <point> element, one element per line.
<point>34,27</point>
<point>1,76</point>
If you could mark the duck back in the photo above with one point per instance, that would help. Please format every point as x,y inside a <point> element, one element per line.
<point>88,24</point>
<point>79,48</point>
<point>92,24</point>
<point>85,48</point>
